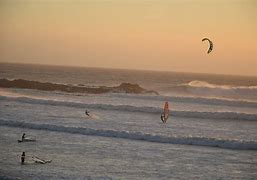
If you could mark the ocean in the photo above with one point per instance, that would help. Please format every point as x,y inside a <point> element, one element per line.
<point>210,133</point>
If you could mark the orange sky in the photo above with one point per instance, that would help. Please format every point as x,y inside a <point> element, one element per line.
<point>133,34</point>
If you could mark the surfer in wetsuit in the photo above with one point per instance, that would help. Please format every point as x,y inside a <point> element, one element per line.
<point>23,157</point>
<point>87,113</point>
<point>23,136</point>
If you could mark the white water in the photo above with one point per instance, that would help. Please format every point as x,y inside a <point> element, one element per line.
<point>78,156</point>
<point>210,134</point>
<point>122,141</point>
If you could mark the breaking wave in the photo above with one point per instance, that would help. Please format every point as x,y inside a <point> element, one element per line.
<point>206,89</point>
<point>203,84</point>
<point>187,140</point>
<point>194,100</point>
<point>129,108</point>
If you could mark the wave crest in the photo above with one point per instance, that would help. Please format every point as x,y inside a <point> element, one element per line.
<point>145,109</point>
<point>206,89</point>
<point>187,140</point>
<point>194,100</point>
<point>204,84</point>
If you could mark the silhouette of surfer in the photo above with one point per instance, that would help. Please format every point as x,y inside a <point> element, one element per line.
<point>23,158</point>
<point>162,117</point>
<point>87,113</point>
<point>23,137</point>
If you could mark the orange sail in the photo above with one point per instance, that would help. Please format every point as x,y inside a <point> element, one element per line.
<point>165,112</point>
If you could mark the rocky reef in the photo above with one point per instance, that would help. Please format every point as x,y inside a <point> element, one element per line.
<point>46,86</point>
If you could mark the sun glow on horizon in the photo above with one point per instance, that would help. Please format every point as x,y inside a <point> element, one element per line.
<point>152,35</point>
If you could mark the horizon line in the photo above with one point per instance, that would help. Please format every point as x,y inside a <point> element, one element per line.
<point>127,69</point>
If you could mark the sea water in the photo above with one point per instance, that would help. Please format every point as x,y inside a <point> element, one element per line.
<point>210,134</point>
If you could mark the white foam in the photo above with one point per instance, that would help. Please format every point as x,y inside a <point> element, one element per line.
<point>206,89</point>
<point>204,84</point>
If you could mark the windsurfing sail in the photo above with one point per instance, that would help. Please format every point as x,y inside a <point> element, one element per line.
<point>39,160</point>
<point>165,112</point>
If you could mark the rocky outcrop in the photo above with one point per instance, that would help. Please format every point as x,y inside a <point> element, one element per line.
<point>46,86</point>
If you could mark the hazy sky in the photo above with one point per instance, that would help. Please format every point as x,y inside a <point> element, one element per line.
<point>133,34</point>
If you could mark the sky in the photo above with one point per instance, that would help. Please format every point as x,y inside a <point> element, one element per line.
<point>162,35</point>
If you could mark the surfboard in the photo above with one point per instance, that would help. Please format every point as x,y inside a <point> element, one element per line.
<point>26,140</point>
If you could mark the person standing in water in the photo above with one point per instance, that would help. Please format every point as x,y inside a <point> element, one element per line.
<point>23,158</point>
